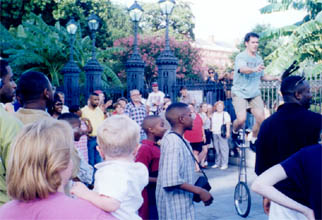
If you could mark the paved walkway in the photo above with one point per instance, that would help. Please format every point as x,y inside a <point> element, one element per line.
<point>223,184</point>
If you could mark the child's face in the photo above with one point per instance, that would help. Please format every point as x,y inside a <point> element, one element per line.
<point>76,128</point>
<point>187,119</point>
<point>159,129</point>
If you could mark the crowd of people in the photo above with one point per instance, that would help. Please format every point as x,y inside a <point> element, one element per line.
<point>135,159</point>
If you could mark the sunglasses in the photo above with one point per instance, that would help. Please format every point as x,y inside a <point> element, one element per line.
<point>58,104</point>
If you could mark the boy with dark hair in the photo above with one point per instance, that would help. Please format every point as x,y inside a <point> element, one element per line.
<point>82,170</point>
<point>175,187</point>
<point>149,155</point>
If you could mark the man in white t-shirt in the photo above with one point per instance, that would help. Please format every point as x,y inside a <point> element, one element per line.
<point>155,99</point>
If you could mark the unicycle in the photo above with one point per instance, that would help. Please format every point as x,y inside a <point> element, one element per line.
<point>242,199</point>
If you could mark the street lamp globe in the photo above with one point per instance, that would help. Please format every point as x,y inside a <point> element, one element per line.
<point>71,26</point>
<point>135,12</point>
<point>167,6</point>
<point>93,22</point>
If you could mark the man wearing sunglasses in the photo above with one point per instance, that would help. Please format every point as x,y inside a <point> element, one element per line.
<point>284,133</point>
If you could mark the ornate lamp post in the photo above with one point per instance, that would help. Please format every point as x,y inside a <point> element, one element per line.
<point>71,70</point>
<point>135,64</point>
<point>167,62</point>
<point>92,68</point>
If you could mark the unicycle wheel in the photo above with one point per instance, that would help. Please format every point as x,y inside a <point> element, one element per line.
<point>242,199</point>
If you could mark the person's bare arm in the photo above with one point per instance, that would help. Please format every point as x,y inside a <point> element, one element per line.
<point>105,203</point>
<point>205,196</point>
<point>264,185</point>
<point>89,125</point>
<point>270,78</point>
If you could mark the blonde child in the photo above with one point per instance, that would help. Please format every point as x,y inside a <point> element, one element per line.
<point>119,181</point>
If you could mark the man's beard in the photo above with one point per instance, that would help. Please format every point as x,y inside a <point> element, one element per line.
<point>5,98</point>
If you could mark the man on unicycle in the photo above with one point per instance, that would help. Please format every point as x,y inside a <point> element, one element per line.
<point>248,73</point>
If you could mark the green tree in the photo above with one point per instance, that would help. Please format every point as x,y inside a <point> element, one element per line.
<point>181,22</point>
<point>34,45</point>
<point>266,45</point>
<point>302,40</point>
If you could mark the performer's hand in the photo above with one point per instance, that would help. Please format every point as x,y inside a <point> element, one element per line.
<point>259,68</point>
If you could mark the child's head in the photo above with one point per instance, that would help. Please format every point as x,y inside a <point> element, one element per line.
<point>118,108</point>
<point>74,121</point>
<point>118,136</point>
<point>154,126</point>
<point>179,114</point>
<point>76,110</point>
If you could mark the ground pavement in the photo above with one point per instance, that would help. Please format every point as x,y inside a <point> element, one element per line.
<point>223,183</point>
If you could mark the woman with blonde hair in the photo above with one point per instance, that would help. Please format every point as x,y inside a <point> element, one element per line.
<point>219,118</point>
<point>39,166</point>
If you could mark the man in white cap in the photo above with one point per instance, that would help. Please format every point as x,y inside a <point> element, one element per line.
<point>155,100</point>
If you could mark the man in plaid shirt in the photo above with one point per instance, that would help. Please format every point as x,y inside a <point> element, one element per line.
<point>136,110</point>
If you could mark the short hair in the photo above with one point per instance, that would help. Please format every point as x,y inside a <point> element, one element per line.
<point>3,68</point>
<point>249,35</point>
<point>146,124</point>
<point>68,116</point>
<point>172,111</point>
<point>134,90</point>
<point>183,87</point>
<point>212,69</point>
<point>39,153</point>
<point>291,84</point>
<point>60,93</point>
<point>31,85</point>
<point>93,94</point>
<point>74,108</point>
<point>118,136</point>
<point>122,99</point>
<point>217,103</point>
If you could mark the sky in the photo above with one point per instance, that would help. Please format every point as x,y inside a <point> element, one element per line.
<point>230,20</point>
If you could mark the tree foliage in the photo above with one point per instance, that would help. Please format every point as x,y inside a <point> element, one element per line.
<point>35,45</point>
<point>302,41</point>
<point>266,45</point>
<point>181,21</point>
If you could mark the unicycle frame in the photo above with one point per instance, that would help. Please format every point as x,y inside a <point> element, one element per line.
<point>242,178</point>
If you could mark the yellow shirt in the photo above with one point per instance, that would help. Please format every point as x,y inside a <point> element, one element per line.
<point>96,117</point>
<point>9,127</point>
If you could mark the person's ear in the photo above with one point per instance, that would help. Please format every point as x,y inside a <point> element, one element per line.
<point>298,95</point>
<point>46,93</point>
<point>151,130</point>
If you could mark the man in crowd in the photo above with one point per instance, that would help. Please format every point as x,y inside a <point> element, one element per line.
<point>36,94</point>
<point>96,116</point>
<point>136,110</point>
<point>284,133</point>
<point>9,125</point>
<point>248,73</point>
<point>155,99</point>
<point>185,96</point>
<point>62,98</point>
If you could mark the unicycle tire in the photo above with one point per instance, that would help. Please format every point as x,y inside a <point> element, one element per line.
<point>242,199</point>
